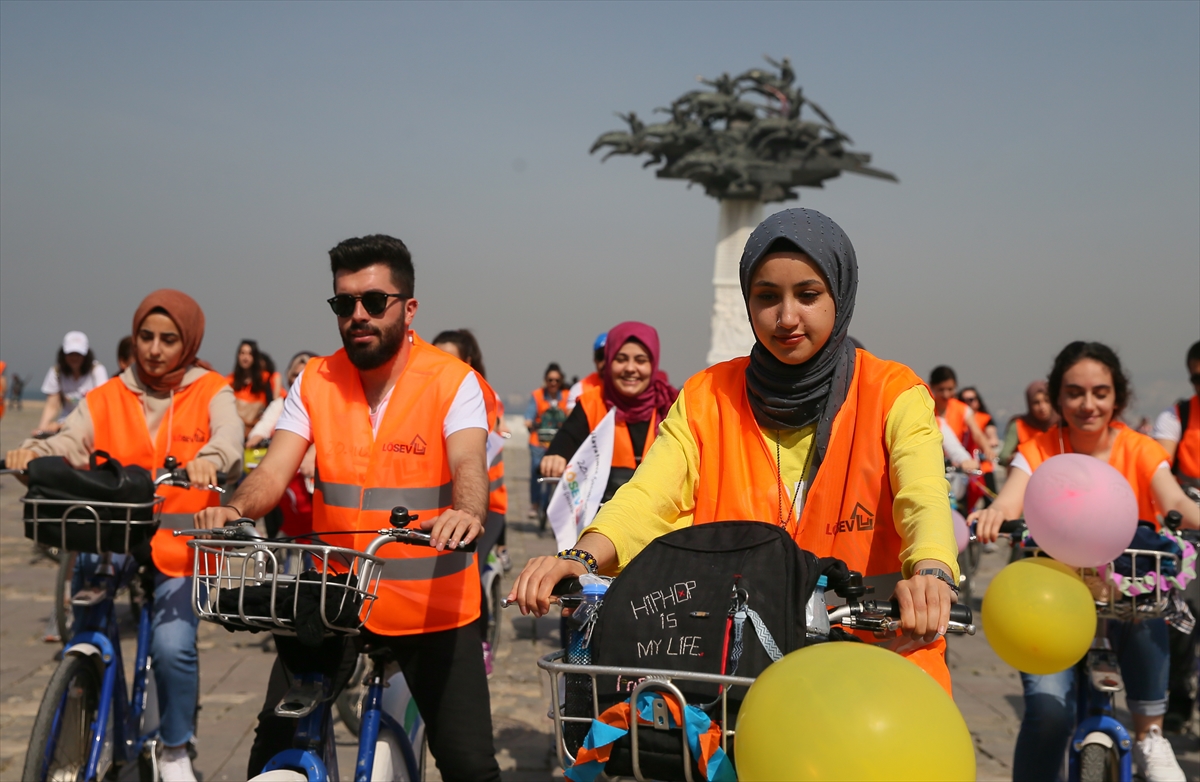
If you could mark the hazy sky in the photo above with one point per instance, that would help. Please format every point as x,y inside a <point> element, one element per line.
<point>1048,156</point>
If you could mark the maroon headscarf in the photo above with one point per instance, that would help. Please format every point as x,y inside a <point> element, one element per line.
<point>1035,388</point>
<point>658,396</point>
<point>189,319</point>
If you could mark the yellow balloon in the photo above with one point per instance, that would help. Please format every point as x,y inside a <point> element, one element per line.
<point>1039,616</point>
<point>847,711</point>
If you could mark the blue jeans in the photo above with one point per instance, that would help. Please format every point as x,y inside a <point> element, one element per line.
<point>1050,700</point>
<point>536,452</point>
<point>174,659</point>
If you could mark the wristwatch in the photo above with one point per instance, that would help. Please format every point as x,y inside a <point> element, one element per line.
<point>940,575</point>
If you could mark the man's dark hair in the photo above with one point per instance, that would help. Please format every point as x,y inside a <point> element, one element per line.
<point>941,375</point>
<point>1194,352</point>
<point>1078,351</point>
<point>597,355</point>
<point>356,254</point>
<point>468,348</point>
<point>125,350</point>
<point>554,367</point>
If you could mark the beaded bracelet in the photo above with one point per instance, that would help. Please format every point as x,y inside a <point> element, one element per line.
<point>582,557</point>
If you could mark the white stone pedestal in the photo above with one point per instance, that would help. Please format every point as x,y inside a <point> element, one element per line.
<point>731,332</point>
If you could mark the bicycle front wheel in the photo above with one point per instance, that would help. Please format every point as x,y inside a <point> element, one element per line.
<point>1096,764</point>
<point>63,730</point>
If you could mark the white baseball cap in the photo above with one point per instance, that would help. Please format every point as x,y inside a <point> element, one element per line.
<point>75,342</point>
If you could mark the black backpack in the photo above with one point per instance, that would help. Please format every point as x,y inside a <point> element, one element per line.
<point>672,608</point>
<point>107,480</point>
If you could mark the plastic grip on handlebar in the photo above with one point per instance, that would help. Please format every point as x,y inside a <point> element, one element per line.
<point>566,587</point>
<point>1012,527</point>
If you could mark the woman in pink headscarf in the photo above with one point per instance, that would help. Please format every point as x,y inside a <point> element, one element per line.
<point>641,394</point>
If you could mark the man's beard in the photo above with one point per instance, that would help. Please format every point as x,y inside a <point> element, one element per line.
<point>367,358</point>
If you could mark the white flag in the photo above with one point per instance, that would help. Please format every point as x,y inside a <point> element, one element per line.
<point>577,497</point>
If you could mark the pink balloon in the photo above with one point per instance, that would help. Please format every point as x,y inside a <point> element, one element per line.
<point>1080,510</point>
<point>962,533</point>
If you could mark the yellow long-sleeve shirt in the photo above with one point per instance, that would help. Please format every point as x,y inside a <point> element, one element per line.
<point>661,496</point>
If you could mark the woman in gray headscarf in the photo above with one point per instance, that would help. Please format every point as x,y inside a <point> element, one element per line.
<point>839,447</point>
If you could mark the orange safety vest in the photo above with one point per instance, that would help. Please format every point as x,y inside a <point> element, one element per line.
<point>497,491</point>
<point>246,394</point>
<point>596,408</point>
<point>1134,455</point>
<point>119,424</point>
<point>1025,432</point>
<point>543,404</point>
<point>361,476</point>
<point>848,511</point>
<point>1187,452</point>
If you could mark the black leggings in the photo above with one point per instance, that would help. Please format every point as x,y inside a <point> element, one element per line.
<point>445,674</point>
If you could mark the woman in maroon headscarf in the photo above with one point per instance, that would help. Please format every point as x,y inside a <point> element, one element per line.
<point>1039,417</point>
<point>634,385</point>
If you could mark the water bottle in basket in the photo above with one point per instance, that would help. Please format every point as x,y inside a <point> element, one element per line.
<point>578,690</point>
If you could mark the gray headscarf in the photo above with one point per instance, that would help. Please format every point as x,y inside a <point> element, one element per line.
<point>787,396</point>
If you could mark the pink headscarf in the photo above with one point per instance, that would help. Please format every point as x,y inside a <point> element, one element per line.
<point>658,396</point>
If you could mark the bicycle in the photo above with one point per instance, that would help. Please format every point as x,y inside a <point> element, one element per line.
<point>246,582</point>
<point>1100,749</point>
<point>349,703</point>
<point>88,722</point>
<point>856,614</point>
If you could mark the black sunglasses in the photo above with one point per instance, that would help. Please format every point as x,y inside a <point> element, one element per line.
<point>970,399</point>
<point>374,302</point>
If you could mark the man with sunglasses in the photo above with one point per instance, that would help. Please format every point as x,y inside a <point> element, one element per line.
<point>394,421</point>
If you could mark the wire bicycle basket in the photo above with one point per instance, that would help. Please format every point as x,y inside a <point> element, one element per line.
<point>91,527</point>
<point>287,588</point>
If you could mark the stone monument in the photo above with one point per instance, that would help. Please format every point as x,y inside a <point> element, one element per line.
<point>746,143</point>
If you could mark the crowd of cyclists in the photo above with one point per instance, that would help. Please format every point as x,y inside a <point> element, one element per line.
<point>807,431</point>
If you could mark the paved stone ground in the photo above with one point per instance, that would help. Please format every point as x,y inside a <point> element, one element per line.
<point>234,667</point>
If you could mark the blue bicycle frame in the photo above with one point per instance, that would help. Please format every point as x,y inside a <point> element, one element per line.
<point>314,753</point>
<point>100,638</point>
<point>1094,712</point>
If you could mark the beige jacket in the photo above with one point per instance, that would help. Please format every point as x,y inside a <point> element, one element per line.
<point>76,439</point>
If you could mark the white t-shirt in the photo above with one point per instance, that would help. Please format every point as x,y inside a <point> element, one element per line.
<point>73,389</point>
<point>1168,426</point>
<point>467,411</point>
<point>951,447</point>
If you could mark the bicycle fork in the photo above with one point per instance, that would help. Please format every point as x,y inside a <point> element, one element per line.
<point>1097,682</point>
<point>373,719</point>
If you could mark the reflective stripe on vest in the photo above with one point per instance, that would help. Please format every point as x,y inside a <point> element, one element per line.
<point>1134,455</point>
<point>362,475</point>
<point>1187,452</point>
<point>119,424</point>
<point>344,495</point>
<point>595,408</point>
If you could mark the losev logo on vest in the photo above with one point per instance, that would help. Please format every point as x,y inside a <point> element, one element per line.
<point>416,447</point>
<point>861,520</point>
<point>198,436</point>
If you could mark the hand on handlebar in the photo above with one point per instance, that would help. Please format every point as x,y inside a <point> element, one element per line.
<point>18,459</point>
<point>553,466</point>
<point>211,518</point>
<point>447,530</point>
<point>533,587</point>
<point>925,603</point>
<point>987,524</point>
<point>201,472</point>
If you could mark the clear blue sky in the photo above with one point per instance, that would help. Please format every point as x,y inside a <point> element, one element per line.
<point>1048,155</point>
